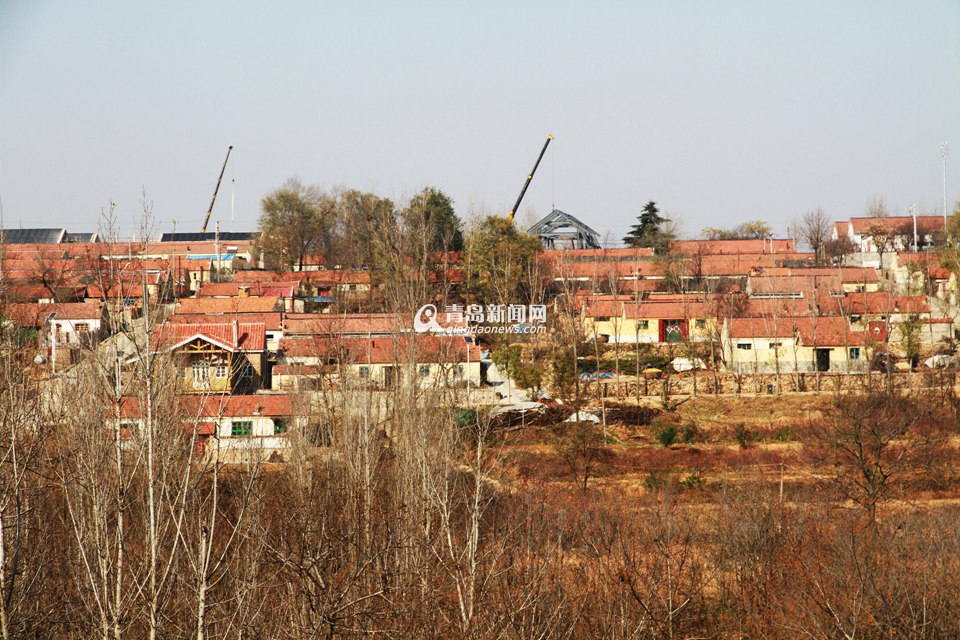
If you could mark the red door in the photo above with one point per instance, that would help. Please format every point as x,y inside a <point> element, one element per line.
<point>673,330</point>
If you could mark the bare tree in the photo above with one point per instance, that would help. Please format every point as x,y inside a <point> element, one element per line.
<point>814,228</point>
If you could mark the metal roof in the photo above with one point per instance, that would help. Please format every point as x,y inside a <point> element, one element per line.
<point>34,236</point>
<point>559,229</point>
<point>210,236</point>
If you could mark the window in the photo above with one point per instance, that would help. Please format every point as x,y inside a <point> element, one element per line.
<point>220,371</point>
<point>644,325</point>
<point>424,370</point>
<point>854,353</point>
<point>279,427</point>
<point>774,345</point>
<point>458,370</point>
<point>744,346</point>
<point>83,327</point>
<point>854,318</point>
<point>133,428</point>
<point>603,318</point>
<point>365,372</point>
<point>700,323</point>
<point>201,372</point>
<point>241,427</point>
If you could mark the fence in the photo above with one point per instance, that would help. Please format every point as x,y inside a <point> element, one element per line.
<point>708,383</point>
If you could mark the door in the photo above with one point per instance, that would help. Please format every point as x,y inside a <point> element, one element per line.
<point>673,330</point>
<point>823,359</point>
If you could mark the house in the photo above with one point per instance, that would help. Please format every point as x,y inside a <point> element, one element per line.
<point>796,345</point>
<point>893,233</point>
<point>425,360</point>
<point>672,320</point>
<point>257,423</point>
<point>272,323</point>
<point>225,357</point>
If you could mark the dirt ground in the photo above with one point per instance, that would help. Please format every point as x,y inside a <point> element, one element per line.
<point>763,441</point>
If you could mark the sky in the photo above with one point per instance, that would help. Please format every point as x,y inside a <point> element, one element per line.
<point>720,112</point>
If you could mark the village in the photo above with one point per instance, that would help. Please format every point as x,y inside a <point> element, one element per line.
<point>875,303</point>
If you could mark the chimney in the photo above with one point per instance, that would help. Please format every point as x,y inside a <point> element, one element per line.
<point>236,331</point>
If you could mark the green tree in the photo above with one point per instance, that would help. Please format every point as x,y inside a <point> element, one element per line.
<point>497,260</point>
<point>650,231</point>
<point>295,222</point>
<point>432,211</point>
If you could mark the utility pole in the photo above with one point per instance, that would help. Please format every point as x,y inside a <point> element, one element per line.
<point>913,212</point>
<point>944,150</point>
<point>214,277</point>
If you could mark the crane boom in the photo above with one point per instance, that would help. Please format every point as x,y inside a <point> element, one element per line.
<point>526,184</point>
<point>206,220</point>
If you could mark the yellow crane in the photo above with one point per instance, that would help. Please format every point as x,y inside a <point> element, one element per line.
<point>526,184</point>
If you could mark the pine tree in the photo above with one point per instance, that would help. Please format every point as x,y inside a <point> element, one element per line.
<point>647,232</point>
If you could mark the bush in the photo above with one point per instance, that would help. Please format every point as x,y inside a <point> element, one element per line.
<point>784,433</point>
<point>690,432</point>
<point>743,435</point>
<point>667,435</point>
<point>693,481</point>
<point>633,415</point>
<point>464,417</point>
<point>656,481</point>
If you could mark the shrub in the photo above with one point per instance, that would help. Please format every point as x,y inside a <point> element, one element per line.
<point>743,435</point>
<point>690,432</point>
<point>784,433</point>
<point>656,481</point>
<point>667,435</point>
<point>693,481</point>
<point>465,417</point>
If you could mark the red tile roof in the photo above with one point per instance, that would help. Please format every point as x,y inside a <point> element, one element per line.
<point>883,302</point>
<point>829,331</point>
<point>761,328</point>
<point>810,305</point>
<point>785,285</point>
<point>32,314</point>
<point>272,321</point>
<point>902,225</point>
<point>601,255</point>
<point>216,406</point>
<point>235,336</point>
<point>347,324</point>
<point>692,247</point>
<point>256,289</point>
<point>222,306</point>
<point>603,271</point>
<point>256,275</point>
<point>668,310</point>
<point>823,331</point>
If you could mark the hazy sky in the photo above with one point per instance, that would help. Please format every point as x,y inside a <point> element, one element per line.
<point>718,111</point>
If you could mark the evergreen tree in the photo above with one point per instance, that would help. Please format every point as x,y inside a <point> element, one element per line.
<point>647,232</point>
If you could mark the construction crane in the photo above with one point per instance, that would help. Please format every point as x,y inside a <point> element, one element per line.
<point>206,221</point>
<point>526,184</point>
